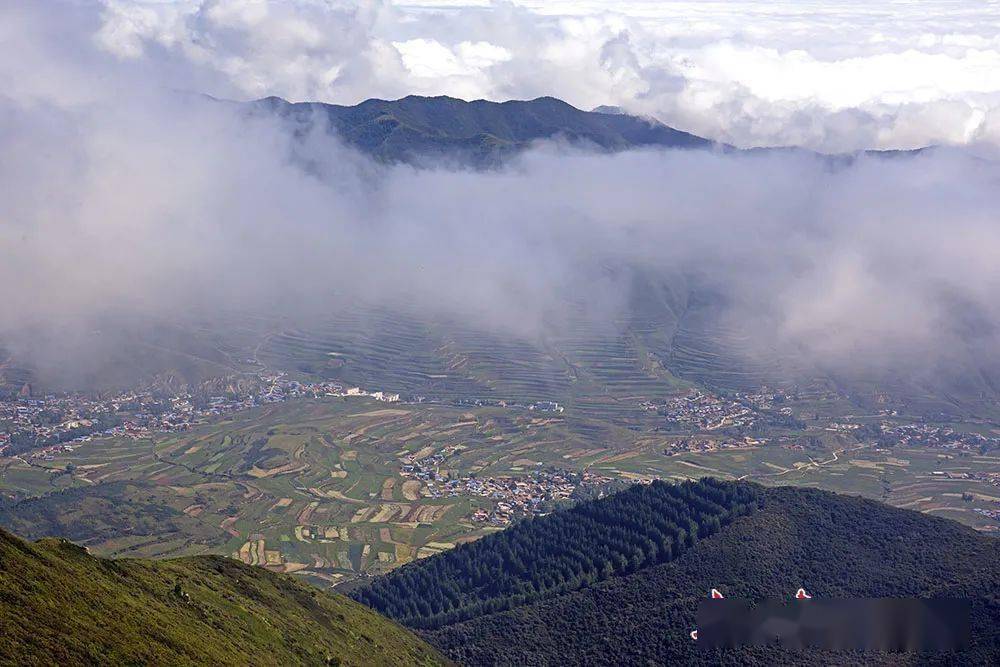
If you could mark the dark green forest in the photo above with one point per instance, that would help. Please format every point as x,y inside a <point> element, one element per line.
<point>835,546</point>
<point>570,549</point>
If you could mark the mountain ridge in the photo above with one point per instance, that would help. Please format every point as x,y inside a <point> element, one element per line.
<point>482,132</point>
<point>419,128</point>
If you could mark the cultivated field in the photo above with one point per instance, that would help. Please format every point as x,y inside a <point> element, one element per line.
<point>326,488</point>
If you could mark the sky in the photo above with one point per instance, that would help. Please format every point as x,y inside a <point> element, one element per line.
<point>125,194</point>
<point>833,76</point>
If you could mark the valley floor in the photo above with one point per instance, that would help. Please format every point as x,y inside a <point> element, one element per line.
<point>334,488</point>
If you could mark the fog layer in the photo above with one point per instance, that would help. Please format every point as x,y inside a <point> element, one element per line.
<point>127,199</point>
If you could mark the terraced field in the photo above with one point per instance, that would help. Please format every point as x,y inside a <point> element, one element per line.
<point>600,371</point>
<point>668,334</point>
<point>312,487</point>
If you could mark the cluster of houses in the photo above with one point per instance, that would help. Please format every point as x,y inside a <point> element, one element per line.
<point>514,497</point>
<point>842,427</point>
<point>536,406</point>
<point>990,514</point>
<point>708,412</point>
<point>697,444</point>
<point>517,497</point>
<point>991,478</point>
<point>939,437</point>
<point>426,468</point>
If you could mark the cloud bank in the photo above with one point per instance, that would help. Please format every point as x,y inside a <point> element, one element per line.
<point>127,197</point>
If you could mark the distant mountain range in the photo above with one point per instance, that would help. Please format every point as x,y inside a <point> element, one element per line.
<point>60,605</point>
<point>420,128</point>
<point>640,608</point>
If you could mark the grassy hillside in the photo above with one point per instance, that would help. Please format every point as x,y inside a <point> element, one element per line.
<point>60,605</point>
<point>835,546</point>
<point>89,515</point>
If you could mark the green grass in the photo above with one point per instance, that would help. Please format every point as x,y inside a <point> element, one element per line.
<point>60,605</point>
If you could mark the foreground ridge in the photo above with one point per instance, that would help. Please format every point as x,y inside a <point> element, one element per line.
<point>60,605</point>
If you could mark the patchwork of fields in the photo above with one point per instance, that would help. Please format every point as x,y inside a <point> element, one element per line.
<point>330,488</point>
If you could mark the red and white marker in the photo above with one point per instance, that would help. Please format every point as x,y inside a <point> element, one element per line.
<point>802,595</point>
<point>715,595</point>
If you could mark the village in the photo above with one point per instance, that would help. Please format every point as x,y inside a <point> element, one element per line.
<point>699,410</point>
<point>701,444</point>
<point>939,437</point>
<point>535,406</point>
<point>45,425</point>
<point>533,494</point>
<point>991,478</point>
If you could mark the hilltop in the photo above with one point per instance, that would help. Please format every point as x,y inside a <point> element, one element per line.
<point>415,128</point>
<point>60,605</point>
<point>836,546</point>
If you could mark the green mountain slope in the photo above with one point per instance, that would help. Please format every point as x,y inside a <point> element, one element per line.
<point>415,128</point>
<point>835,546</point>
<point>60,605</point>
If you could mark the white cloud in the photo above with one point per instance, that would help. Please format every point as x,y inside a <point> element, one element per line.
<point>831,75</point>
<point>428,58</point>
<point>482,54</point>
